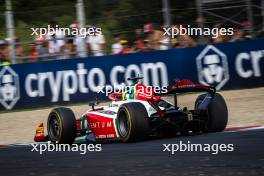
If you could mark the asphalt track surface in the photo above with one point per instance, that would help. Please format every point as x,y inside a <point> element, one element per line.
<point>144,158</point>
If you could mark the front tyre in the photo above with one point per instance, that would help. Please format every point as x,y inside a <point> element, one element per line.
<point>61,126</point>
<point>132,122</point>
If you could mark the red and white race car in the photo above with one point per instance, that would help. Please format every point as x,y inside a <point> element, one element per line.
<point>137,115</point>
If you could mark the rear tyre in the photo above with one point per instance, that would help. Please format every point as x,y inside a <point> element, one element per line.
<point>216,113</point>
<point>132,122</point>
<point>61,126</point>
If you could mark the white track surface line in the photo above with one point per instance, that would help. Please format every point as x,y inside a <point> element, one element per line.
<point>244,129</point>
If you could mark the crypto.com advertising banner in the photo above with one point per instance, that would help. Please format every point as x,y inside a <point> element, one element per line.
<point>225,66</point>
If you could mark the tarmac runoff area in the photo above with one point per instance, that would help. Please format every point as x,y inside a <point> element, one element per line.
<point>148,158</point>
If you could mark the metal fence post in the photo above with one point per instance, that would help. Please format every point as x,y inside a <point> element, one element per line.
<point>81,47</point>
<point>166,16</point>
<point>10,31</point>
<point>250,17</point>
<point>262,12</point>
<point>166,13</point>
<point>200,19</point>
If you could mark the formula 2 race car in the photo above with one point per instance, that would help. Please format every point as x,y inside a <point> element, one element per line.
<point>137,115</point>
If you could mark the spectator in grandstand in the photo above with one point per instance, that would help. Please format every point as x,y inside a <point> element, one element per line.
<point>116,46</point>
<point>55,45</point>
<point>152,37</point>
<point>126,48</point>
<point>238,35</point>
<point>5,54</point>
<point>174,43</point>
<point>165,43</point>
<point>261,34</point>
<point>140,44</point>
<point>155,38</point>
<point>219,38</point>
<point>247,35</point>
<point>19,50</point>
<point>68,50</point>
<point>42,47</point>
<point>34,53</point>
<point>77,40</point>
<point>246,24</point>
<point>96,44</point>
<point>245,32</point>
<point>184,41</point>
<point>2,43</point>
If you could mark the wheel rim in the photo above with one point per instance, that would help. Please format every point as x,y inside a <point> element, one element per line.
<point>123,124</point>
<point>54,128</point>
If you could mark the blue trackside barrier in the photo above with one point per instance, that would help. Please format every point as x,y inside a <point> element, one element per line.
<point>226,66</point>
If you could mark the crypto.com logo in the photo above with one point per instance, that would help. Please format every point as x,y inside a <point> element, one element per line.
<point>212,67</point>
<point>9,87</point>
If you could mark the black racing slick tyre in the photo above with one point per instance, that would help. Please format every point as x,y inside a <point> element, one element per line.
<point>132,122</point>
<point>61,126</point>
<point>216,113</point>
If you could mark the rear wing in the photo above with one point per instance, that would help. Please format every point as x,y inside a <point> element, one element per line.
<point>187,86</point>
